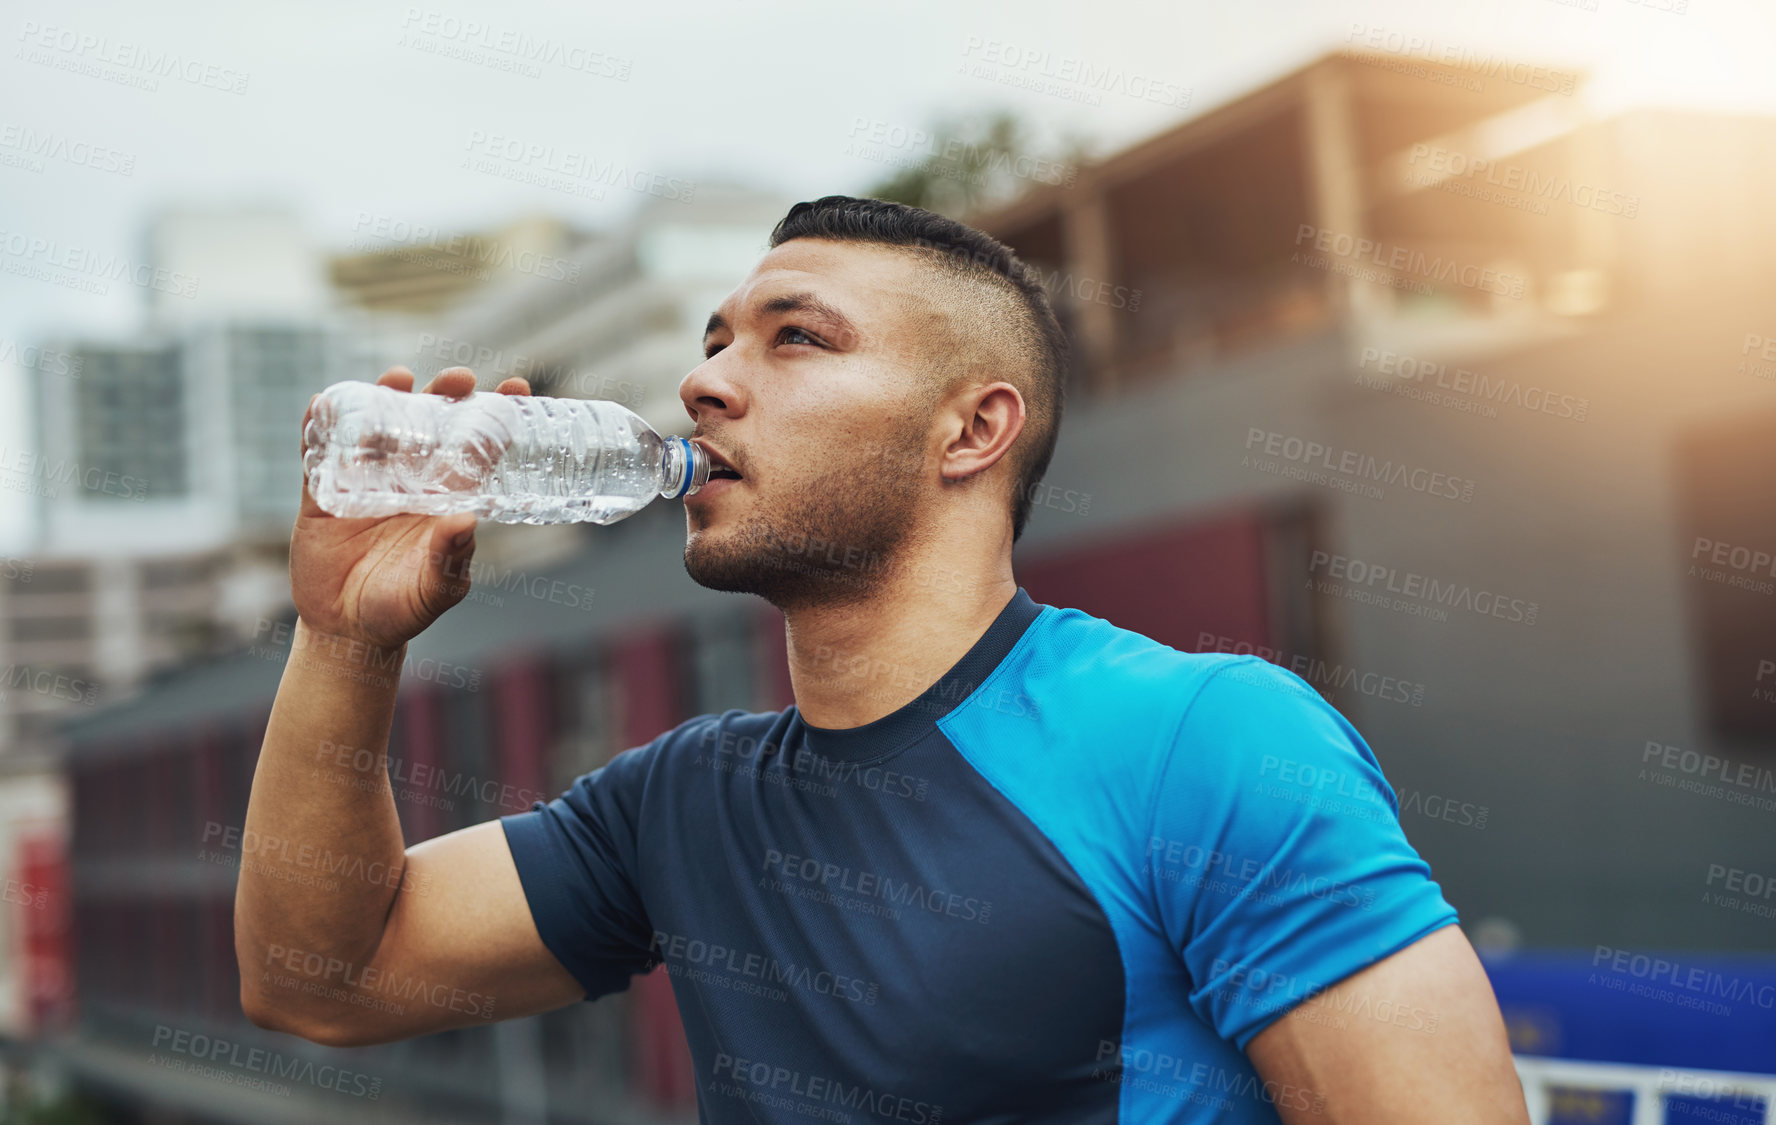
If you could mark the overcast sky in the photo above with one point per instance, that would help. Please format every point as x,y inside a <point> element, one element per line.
<point>346,107</point>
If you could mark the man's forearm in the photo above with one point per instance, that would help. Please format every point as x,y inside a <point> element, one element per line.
<point>322,854</point>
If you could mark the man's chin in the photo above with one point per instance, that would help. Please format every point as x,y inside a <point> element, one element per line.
<point>740,563</point>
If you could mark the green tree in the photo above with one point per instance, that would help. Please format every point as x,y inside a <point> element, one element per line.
<point>975,163</point>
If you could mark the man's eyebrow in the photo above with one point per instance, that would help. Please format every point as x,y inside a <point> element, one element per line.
<point>793,302</point>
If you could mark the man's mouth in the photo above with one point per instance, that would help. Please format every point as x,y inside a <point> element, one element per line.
<point>719,468</point>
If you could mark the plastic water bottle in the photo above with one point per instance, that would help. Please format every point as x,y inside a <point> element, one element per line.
<point>370,450</point>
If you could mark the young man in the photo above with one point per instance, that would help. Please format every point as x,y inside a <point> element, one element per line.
<point>1000,862</point>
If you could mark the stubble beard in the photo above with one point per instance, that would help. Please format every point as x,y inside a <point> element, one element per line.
<point>836,543</point>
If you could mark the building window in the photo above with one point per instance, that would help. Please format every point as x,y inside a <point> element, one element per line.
<point>131,423</point>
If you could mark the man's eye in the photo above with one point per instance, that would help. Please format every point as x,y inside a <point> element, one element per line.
<point>709,352</point>
<point>783,337</point>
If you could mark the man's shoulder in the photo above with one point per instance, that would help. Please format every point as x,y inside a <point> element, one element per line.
<point>1100,667</point>
<point>1105,697</point>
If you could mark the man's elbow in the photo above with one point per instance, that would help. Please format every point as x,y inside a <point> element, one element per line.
<point>267,1013</point>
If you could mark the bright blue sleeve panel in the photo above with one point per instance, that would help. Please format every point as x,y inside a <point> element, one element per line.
<point>1233,828</point>
<point>1278,861</point>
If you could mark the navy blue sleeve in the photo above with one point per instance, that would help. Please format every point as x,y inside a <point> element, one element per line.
<point>576,857</point>
<point>1276,848</point>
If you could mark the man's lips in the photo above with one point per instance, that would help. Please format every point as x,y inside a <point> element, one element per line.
<point>717,461</point>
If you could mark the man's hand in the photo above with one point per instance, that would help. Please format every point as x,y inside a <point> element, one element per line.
<point>383,580</point>
<point>1416,1037</point>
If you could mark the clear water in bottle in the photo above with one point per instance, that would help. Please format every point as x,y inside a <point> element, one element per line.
<point>370,450</point>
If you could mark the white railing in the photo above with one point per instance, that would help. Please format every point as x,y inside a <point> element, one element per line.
<point>1650,1085</point>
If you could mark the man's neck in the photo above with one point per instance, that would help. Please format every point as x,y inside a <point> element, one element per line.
<point>853,663</point>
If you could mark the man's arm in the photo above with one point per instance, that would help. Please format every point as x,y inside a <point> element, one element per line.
<point>342,934</point>
<point>1415,1037</point>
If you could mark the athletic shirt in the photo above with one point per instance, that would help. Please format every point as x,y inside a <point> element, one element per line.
<point>1069,882</point>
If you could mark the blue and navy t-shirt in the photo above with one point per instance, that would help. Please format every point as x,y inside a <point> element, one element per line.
<point>1067,883</point>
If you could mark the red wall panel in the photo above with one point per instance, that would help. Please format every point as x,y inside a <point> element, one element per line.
<point>1170,583</point>
<point>646,669</point>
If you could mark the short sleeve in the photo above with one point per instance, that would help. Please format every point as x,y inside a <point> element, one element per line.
<point>1276,851</point>
<point>576,857</point>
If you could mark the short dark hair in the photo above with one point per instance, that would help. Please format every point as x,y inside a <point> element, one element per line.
<point>971,255</point>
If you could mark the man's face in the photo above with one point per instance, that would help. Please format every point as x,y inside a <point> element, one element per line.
<point>818,389</point>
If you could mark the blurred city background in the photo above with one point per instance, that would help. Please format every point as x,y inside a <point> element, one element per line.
<point>1427,351</point>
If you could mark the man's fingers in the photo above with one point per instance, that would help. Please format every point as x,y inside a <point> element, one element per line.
<point>397,377</point>
<point>309,507</point>
<point>514,386</point>
<point>452,382</point>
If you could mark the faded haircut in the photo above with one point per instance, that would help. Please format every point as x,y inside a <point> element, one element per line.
<point>1013,333</point>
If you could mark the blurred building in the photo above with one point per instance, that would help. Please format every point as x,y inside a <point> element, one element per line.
<point>163,480</point>
<point>620,318</point>
<point>171,444</point>
<point>1385,372</point>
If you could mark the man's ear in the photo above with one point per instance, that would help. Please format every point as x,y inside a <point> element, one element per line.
<point>988,419</point>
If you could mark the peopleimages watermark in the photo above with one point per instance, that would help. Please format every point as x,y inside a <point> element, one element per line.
<point>1065,76</point>
<point>1404,375</point>
<point>482,582</point>
<point>1764,367</point>
<point>387,234</point>
<point>365,986</point>
<point>128,64</point>
<point>914,463</point>
<point>1081,289</point>
<point>29,895</point>
<point>47,361</point>
<point>48,683</point>
<point>566,170</point>
<point>1314,1001</point>
<point>1253,877</point>
<point>345,652</point>
<point>40,474</point>
<point>1406,260</point>
<point>88,271</point>
<point>1766,668</point>
<point>872,138</point>
<point>274,856</point>
<point>503,48</point>
<point>1323,676</point>
<point>1454,170</point>
<point>1150,1070</point>
<point>875,894</point>
<point>242,1061</point>
<point>1691,771</point>
<point>1346,794</point>
<point>748,756</point>
<point>1420,590</point>
<point>480,357</point>
<point>1473,64</point>
<point>28,149</point>
<point>415,778</point>
<point>740,970</point>
<point>1735,888</point>
<point>1319,463</point>
<point>778,1087</point>
<point>1735,565</point>
<point>1657,978</point>
<point>1722,1093</point>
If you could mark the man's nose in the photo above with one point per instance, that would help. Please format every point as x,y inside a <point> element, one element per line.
<point>712,389</point>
